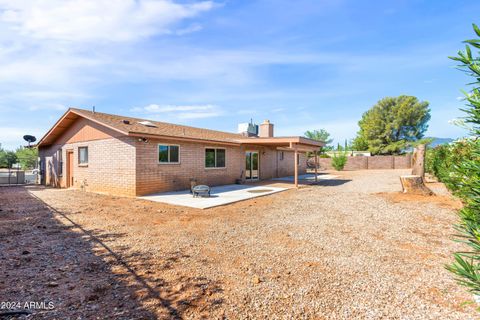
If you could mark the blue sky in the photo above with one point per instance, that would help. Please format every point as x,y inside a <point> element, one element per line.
<point>302,64</point>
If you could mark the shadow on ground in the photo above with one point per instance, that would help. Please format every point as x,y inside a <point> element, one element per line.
<point>331,182</point>
<point>47,258</point>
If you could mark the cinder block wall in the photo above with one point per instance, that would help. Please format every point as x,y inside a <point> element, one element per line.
<point>374,162</point>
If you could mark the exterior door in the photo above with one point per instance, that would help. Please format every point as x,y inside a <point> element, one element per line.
<point>69,169</point>
<point>251,165</point>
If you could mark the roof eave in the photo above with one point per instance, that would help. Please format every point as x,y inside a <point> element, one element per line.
<point>42,143</point>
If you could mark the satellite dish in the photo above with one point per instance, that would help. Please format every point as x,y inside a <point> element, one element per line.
<point>29,139</point>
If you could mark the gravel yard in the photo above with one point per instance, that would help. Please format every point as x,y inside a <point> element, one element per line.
<point>351,247</point>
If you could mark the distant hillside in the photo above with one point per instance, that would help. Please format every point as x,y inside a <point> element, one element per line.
<point>439,141</point>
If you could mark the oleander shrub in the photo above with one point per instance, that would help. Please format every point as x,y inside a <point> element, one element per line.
<point>466,175</point>
<point>442,161</point>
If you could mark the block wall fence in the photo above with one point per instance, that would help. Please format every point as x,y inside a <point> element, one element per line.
<point>365,163</point>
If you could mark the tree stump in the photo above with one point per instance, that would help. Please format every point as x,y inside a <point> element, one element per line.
<point>413,184</point>
<point>418,161</point>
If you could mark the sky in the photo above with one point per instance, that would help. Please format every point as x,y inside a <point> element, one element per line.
<point>303,64</point>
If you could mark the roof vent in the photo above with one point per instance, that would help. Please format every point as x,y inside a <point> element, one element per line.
<point>126,121</point>
<point>147,124</point>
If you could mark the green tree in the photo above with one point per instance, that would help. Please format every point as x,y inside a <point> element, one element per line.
<point>392,124</point>
<point>360,143</point>
<point>27,157</point>
<point>7,158</point>
<point>467,172</point>
<point>320,135</point>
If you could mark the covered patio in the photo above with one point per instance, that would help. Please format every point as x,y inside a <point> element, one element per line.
<point>296,144</point>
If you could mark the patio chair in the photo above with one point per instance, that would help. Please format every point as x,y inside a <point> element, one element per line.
<point>200,190</point>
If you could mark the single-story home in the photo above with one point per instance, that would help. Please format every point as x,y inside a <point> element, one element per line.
<point>121,155</point>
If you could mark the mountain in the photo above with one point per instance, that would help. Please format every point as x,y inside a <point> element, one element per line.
<point>439,141</point>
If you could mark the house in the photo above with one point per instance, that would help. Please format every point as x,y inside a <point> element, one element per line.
<point>128,156</point>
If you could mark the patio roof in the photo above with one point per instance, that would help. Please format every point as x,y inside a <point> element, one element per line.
<point>301,144</point>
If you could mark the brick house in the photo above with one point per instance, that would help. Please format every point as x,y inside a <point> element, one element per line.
<point>127,156</point>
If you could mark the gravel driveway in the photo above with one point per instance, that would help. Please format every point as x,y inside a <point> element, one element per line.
<point>348,248</point>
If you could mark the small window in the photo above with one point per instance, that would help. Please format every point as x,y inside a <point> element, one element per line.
<point>282,155</point>
<point>298,159</point>
<point>60,163</point>
<point>168,154</point>
<point>215,158</point>
<point>82,155</point>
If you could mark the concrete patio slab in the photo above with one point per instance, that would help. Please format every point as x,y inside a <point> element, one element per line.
<point>220,195</point>
<point>308,177</point>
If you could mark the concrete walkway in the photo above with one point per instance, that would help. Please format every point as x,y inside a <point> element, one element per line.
<point>220,195</point>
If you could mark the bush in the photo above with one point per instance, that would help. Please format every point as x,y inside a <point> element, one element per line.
<point>466,176</point>
<point>339,161</point>
<point>442,161</point>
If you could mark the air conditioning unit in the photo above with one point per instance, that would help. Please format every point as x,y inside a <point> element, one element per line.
<point>248,129</point>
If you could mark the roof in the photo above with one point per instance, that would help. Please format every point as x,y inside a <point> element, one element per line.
<point>133,127</point>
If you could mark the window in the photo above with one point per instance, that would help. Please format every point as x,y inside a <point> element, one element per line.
<point>214,158</point>
<point>168,153</point>
<point>60,163</point>
<point>282,155</point>
<point>298,159</point>
<point>83,155</point>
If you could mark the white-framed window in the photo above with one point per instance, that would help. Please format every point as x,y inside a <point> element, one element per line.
<point>168,153</point>
<point>215,157</point>
<point>83,155</point>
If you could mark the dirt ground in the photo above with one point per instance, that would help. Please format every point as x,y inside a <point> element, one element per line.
<point>352,247</point>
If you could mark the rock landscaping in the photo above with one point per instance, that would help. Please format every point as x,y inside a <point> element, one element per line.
<point>350,247</point>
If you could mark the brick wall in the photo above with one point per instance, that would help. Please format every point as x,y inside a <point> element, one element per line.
<point>154,177</point>
<point>380,162</point>
<point>356,163</point>
<point>273,165</point>
<point>111,160</point>
<point>374,162</point>
<point>403,162</point>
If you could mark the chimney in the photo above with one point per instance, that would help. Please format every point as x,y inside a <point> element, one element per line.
<point>266,129</point>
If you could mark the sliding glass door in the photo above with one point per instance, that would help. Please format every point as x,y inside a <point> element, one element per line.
<point>251,165</point>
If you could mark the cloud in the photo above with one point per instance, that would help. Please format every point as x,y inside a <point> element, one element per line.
<point>12,137</point>
<point>180,112</point>
<point>93,20</point>
<point>193,28</point>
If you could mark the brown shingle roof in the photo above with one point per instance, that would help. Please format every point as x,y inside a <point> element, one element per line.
<point>161,129</point>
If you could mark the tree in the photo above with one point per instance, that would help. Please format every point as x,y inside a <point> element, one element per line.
<point>360,143</point>
<point>7,158</point>
<point>467,173</point>
<point>392,124</point>
<point>320,135</point>
<point>27,157</point>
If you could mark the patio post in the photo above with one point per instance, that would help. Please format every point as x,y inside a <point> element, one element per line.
<point>296,166</point>
<point>316,164</point>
